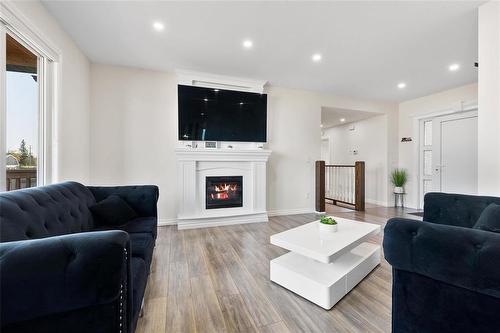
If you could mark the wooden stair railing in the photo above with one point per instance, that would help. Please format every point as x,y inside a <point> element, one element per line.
<point>344,184</point>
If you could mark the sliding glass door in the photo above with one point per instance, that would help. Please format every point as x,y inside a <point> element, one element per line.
<point>27,90</point>
<point>22,116</point>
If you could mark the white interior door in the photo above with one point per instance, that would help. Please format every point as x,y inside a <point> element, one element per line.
<point>448,154</point>
<point>456,154</point>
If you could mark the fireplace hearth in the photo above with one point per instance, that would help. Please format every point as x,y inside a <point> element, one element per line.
<point>224,192</point>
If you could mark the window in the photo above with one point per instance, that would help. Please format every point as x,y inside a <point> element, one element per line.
<point>426,153</point>
<point>21,116</point>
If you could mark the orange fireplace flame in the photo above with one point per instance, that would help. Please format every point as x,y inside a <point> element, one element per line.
<point>222,191</point>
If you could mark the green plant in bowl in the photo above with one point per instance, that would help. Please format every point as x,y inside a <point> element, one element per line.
<point>327,220</point>
<point>399,177</point>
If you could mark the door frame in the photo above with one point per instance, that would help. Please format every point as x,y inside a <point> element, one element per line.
<point>437,156</point>
<point>14,23</point>
<point>461,107</point>
<point>327,139</point>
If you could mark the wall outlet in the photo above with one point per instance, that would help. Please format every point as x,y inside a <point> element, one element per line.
<point>308,195</point>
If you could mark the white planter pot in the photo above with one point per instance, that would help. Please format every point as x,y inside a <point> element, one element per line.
<point>398,189</point>
<point>328,227</point>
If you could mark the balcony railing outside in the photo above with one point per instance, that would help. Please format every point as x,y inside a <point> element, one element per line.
<point>20,178</point>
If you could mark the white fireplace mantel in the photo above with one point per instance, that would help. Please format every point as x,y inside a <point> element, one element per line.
<point>194,165</point>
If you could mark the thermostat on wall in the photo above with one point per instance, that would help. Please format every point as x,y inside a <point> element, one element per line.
<point>211,144</point>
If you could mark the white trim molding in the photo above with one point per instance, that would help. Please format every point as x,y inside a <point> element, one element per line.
<point>21,26</point>
<point>49,58</point>
<point>207,80</point>
<point>166,222</point>
<point>291,211</point>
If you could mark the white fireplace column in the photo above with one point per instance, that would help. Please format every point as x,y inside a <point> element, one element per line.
<point>194,165</point>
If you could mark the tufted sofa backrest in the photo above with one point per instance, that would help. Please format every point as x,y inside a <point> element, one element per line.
<point>455,209</point>
<point>45,211</point>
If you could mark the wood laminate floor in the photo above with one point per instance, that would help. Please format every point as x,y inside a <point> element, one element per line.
<point>217,280</point>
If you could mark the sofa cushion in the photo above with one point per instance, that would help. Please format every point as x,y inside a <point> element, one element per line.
<point>45,211</point>
<point>141,225</point>
<point>141,246</point>
<point>489,219</point>
<point>112,211</point>
<point>146,225</point>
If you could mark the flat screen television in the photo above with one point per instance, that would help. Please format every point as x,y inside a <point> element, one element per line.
<point>208,114</point>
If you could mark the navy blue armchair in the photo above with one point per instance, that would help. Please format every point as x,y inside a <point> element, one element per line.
<point>60,271</point>
<point>446,275</point>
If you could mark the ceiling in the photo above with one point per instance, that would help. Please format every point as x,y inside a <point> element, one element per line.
<point>367,48</point>
<point>331,117</point>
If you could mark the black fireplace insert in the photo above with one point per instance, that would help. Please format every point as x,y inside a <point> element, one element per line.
<point>224,192</point>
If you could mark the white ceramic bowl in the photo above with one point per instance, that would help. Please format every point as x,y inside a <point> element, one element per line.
<point>328,227</point>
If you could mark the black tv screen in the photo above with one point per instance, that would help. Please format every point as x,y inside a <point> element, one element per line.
<point>208,114</point>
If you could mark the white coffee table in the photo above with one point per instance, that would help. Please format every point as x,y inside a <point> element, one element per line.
<point>323,267</point>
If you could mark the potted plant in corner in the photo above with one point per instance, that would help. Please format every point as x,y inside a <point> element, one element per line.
<point>398,179</point>
<point>327,224</point>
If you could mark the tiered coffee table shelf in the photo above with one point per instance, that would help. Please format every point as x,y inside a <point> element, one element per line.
<point>323,267</point>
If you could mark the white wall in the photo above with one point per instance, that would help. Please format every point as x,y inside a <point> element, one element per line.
<point>134,130</point>
<point>409,112</point>
<point>72,118</point>
<point>369,138</point>
<point>489,99</point>
<point>134,134</point>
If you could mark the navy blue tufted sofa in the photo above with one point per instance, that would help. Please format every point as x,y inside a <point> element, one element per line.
<point>61,272</point>
<point>446,275</point>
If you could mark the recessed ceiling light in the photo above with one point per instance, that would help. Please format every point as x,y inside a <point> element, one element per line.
<point>205,99</point>
<point>454,67</point>
<point>241,103</point>
<point>316,57</point>
<point>401,85</point>
<point>247,44</point>
<point>216,90</point>
<point>342,120</point>
<point>158,26</point>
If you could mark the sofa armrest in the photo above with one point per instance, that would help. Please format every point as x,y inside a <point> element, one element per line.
<point>143,198</point>
<point>463,257</point>
<point>58,274</point>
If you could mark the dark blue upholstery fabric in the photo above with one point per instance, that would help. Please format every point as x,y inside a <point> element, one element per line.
<point>140,225</point>
<point>489,220</point>
<point>45,211</point>
<point>142,245</point>
<point>58,274</point>
<point>64,273</point>
<point>142,198</point>
<point>112,211</point>
<point>424,305</point>
<point>446,275</point>
<point>464,257</point>
<point>455,209</point>
<point>139,279</point>
<point>95,319</point>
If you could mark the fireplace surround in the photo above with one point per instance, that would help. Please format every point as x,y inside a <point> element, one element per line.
<point>197,165</point>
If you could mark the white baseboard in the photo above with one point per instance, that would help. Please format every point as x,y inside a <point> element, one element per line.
<point>192,223</point>
<point>377,202</point>
<point>162,222</point>
<point>166,222</point>
<point>294,211</point>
